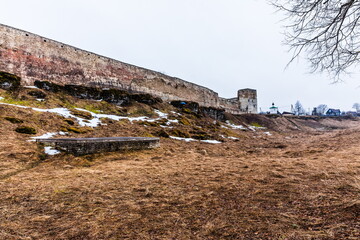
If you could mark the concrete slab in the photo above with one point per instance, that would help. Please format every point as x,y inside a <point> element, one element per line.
<point>83,146</point>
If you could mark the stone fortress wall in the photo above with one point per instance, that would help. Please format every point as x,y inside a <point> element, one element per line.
<point>33,57</point>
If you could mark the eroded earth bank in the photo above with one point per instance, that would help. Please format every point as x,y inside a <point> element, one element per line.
<point>246,177</point>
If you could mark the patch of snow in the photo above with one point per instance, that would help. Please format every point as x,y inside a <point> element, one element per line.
<point>233,126</point>
<point>268,133</point>
<point>84,110</point>
<point>172,121</point>
<point>48,135</point>
<point>31,87</point>
<point>96,118</point>
<point>51,151</point>
<point>253,128</point>
<point>194,140</point>
<point>40,99</point>
<point>211,141</point>
<point>65,113</point>
<point>1,98</point>
<point>13,105</point>
<point>161,114</point>
<point>183,139</point>
<point>165,126</point>
<point>233,138</point>
<point>173,112</point>
<point>95,121</point>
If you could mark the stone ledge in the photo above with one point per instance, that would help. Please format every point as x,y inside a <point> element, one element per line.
<point>83,146</point>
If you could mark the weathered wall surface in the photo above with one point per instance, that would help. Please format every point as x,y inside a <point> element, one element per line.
<point>248,100</point>
<point>231,105</point>
<point>83,146</point>
<point>33,57</point>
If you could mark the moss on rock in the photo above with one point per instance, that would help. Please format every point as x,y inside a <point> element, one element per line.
<point>26,130</point>
<point>162,133</point>
<point>9,81</point>
<point>81,114</point>
<point>179,133</point>
<point>13,120</point>
<point>200,135</point>
<point>37,94</point>
<point>69,121</point>
<point>151,124</point>
<point>184,121</point>
<point>79,129</point>
<point>255,124</point>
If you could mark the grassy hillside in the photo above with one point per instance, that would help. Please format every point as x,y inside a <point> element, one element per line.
<point>246,177</point>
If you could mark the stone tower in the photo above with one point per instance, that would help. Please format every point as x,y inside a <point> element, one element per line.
<point>248,100</point>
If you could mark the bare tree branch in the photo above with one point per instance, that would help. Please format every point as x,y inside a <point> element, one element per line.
<point>326,30</point>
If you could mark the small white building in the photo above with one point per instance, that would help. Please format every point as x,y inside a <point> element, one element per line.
<point>273,109</point>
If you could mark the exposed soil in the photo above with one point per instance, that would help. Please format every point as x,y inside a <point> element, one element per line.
<point>300,182</point>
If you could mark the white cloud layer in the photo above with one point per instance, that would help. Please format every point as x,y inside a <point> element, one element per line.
<point>224,45</point>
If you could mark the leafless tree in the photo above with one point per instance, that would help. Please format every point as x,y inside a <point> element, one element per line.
<point>321,109</point>
<point>357,107</point>
<point>298,108</point>
<point>326,30</point>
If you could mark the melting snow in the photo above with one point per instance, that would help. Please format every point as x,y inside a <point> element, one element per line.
<point>192,140</point>
<point>175,113</point>
<point>183,139</point>
<point>51,151</point>
<point>253,128</point>
<point>95,121</point>
<point>31,87</point>
<point>48,135</point>
<point>165,126</point>
<point>172,121</point>
<point>161,114</point>
<point>211,141</point>
<point>233,138</point>
<point>233,126</point>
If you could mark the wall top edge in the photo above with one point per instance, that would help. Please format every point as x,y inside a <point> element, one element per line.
<point>107,58</point>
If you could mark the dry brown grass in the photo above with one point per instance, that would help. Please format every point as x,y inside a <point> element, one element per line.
<point>181,191</point>
<point>291,185</point>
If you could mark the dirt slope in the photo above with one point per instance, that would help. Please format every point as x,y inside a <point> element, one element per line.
<point>296,179</point>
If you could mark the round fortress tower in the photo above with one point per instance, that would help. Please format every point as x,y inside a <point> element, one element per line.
<point>247,100</point>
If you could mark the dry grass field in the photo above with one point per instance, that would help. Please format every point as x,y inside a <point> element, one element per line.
<point>289,184</point>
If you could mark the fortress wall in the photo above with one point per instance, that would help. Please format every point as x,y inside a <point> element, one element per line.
<point>33,57</point>
<point>231,105</point>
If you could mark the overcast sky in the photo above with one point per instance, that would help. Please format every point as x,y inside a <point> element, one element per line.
<point>223,45</point>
